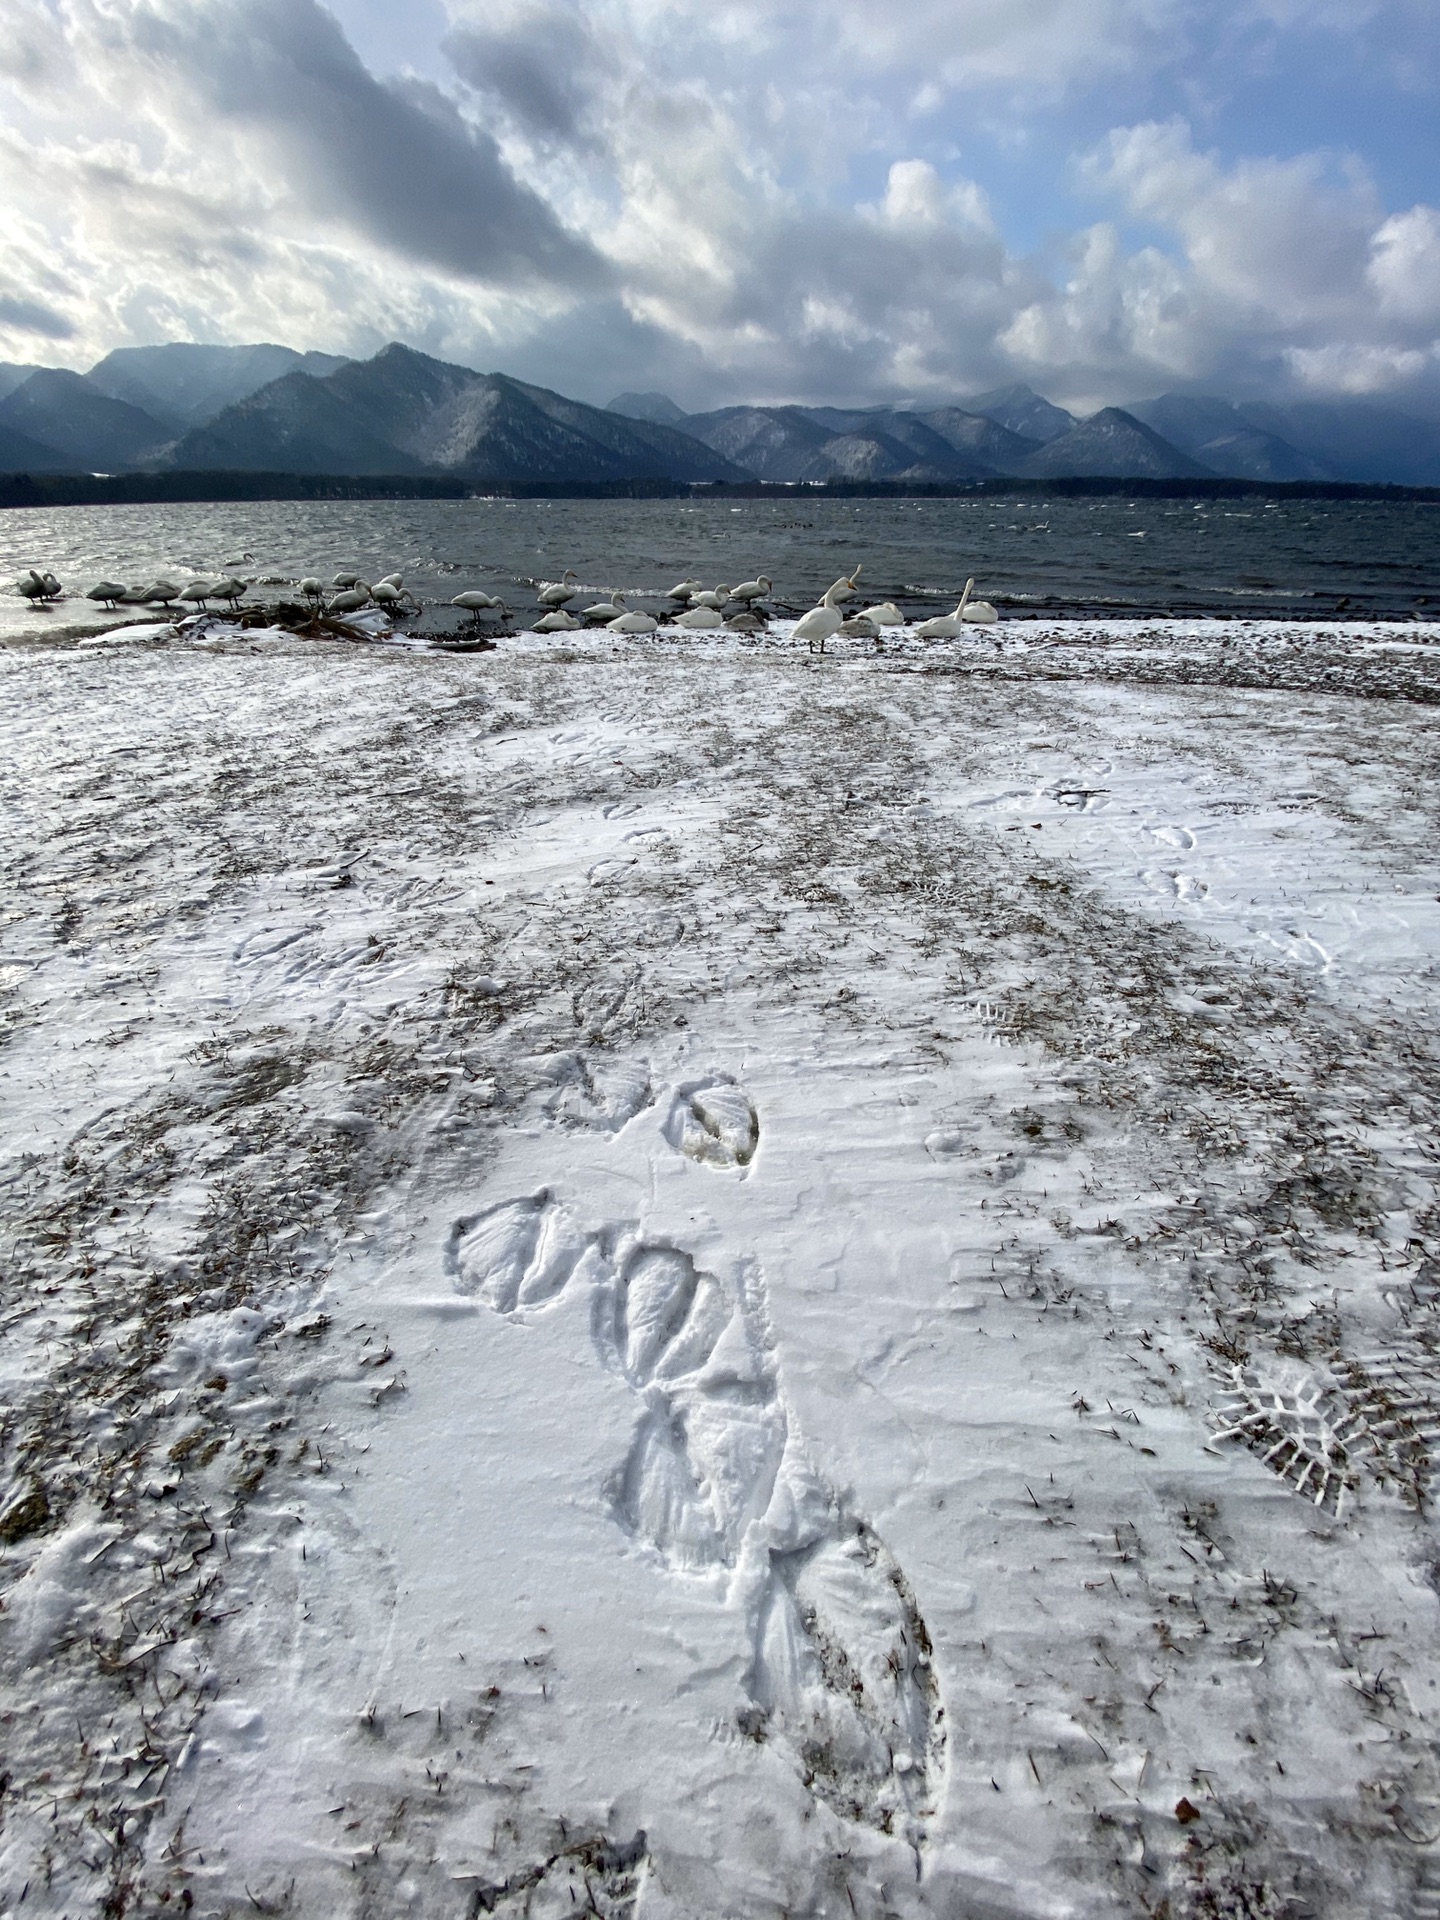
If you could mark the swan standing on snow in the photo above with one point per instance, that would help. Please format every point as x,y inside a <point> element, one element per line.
<point>816,627</point>
<point>554,593</point>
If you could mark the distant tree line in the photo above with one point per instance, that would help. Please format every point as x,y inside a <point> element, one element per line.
<point>158,489</point>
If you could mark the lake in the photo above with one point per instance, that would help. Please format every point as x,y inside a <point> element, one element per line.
<point>1308,559</point>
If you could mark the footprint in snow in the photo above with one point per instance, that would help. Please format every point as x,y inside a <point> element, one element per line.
<point>596,1091</point>
<point>714,1122</point>
<point>716,1477</point>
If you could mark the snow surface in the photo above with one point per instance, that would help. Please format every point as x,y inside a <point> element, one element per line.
<point>685,1279</point>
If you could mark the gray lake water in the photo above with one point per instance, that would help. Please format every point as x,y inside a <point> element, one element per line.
<point>1306,559</point>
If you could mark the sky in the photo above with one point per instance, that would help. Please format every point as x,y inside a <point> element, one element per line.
<point>842,201</point>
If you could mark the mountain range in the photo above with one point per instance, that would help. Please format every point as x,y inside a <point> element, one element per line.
<point>402,413</point>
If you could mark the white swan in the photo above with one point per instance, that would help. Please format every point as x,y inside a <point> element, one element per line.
<point>981,613</point>
<point>229,589</point>
<point>945,626</point>
<point>751,589</point>
<point>816,626</point>
<point>475,602</point>
<point>859,626</point>
<point>683,589</point>
<point>842,588</point>
<point>196,593</point>
<point>700,616</point>
<point>554,593</point>
<point>107,592</point>
<point>386,594</point>
<point>606,610</point>
<point>390,580</point>
<point>311,587</point>
<point>556,621</point>
<point>715,597</point>
<point>38,587</point>
<point>887,614</point>
<point>350,601</point>
<point>632,623</point>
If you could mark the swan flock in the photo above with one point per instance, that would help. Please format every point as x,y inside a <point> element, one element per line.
<point>688,606</point>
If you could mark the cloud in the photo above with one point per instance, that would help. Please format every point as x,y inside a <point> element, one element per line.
<point>33,316</point>
<point>1404,267</point>
<point>540,64</point>
<point>397,162</point>
<point>1277,239</point>
<point>1275,264</point>
<point>1351,368</point>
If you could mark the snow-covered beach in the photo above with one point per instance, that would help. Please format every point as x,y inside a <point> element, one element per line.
<point>682,1278</point>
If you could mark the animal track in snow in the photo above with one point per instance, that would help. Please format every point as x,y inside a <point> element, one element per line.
<point>714,1122</point>
<point>1183,888</point>
<point>716,1478</point>
<point>1180,837</point>
<point>593,1091</point>
<point>519,1254</point>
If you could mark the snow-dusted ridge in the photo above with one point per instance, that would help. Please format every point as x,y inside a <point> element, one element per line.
<point>680,1278</point>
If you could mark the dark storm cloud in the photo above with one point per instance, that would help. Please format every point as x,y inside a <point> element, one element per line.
<point>31,316</point>
<point>539,67</point>
<point>395,159</point>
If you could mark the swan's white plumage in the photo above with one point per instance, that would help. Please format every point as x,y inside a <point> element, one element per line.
<point>945,626</point>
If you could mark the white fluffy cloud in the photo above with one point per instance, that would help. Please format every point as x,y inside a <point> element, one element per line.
<point>720,196</point>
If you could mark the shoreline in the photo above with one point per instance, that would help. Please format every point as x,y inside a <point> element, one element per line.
<point>1360,660</point>
<point>23,624</point>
